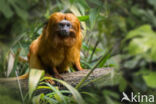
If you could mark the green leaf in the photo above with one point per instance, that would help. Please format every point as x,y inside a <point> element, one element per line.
<point>20,8</point>
<point>58,95</point>
<point>34,78</point>
<point>122,84</point>
<point>11,60</point>
<point>140,31</point>
<point>152,2</point>
<point>150,79</point>
<point>104,61</point>
<point>74,92</point>
<point>75,10</point>
<point>5,9</point>
<point>111,93</point>
<point>96,2</point>
<point>83,18</point>
<point>92,17</point>
<point>71,1</point>
<point>142,42</point>
<point>50,100</point>
<point>36,99</point>
<point>83,3</point>
<point>21,12</point>
<point>92,95</point>
<point>81,8</point>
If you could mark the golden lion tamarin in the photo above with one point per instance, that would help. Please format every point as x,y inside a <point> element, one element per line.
<point>58,47</point>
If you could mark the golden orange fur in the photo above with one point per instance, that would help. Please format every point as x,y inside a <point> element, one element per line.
<point>53,53</point>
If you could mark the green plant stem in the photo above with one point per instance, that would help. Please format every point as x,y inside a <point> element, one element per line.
<point>96,44</point>
<point>20,89</point>
<point>85,78</point>
<point>15,63</point>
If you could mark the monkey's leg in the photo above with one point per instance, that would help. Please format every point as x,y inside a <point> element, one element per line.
<point>49,80</point>
<point>35,62</point>
<point>77,66</point>
<point>56,73</point>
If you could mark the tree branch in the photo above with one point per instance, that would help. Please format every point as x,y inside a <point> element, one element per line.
<point>72,78</point>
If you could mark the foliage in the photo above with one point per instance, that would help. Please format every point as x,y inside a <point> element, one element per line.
<point>148,77</point>
<point>56,96</point>
<point>127,28</point>
<point>140,44</point>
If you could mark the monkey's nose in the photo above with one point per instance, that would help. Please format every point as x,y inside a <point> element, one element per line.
<point>64,32</point>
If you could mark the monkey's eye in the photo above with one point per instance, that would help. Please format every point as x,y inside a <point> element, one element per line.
<point>61,24</point>
<point>68,24</point>
<point>64,24</point>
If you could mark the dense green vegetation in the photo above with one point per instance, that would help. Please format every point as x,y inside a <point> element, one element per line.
<point>121,32</point>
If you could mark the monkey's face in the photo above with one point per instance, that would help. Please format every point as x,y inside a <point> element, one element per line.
<point>64,28</point>
<point>64,25</point>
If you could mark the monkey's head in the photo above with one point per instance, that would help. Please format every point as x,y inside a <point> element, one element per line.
<point>63,29</point>
<point>64,25</point>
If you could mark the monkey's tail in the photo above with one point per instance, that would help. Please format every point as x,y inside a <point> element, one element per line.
<point>25,76</point>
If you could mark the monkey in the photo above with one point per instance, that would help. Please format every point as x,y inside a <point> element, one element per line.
<point>58,47</point>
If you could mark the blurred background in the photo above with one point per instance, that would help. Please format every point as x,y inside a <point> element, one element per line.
<point>125,29</point>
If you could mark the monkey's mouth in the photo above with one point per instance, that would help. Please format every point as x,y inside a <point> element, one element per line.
<point>66,34</point>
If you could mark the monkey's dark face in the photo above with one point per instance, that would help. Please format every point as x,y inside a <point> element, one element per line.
<point>64,25</point>
<point>64,28</point>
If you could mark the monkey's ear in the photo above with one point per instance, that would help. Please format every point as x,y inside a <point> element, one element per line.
<point>81,26</point>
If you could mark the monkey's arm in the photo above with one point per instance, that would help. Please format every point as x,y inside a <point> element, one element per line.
<point>34,62</point>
